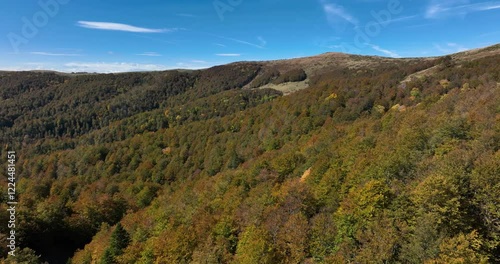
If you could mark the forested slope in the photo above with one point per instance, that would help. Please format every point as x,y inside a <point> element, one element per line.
<point>367,165</point>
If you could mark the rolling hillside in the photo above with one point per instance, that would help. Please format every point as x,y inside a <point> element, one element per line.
<point>329,159</point>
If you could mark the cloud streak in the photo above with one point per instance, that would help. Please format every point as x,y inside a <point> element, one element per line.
<point>245,42</point>
<point>194,64</point>
<point>54,54</point>
<point>334,11</point>
<point>120,27</point>
<point>106,67</point>
<point>384,51</point>
<point>439,9</point>
<point>112,67</point>
<point>404,18</point>
<point>450,48</point>
<point>149,54</point>
<point>262,41</point>
<point>228,54</point>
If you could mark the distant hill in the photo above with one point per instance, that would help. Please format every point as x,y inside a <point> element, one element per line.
<point>334,158</point>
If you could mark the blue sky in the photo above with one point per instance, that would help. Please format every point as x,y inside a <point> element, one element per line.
<point>117,36</point>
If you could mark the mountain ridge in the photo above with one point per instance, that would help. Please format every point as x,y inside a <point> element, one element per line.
<point>488,50</point>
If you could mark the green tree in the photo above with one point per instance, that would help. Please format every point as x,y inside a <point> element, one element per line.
<point>118,242</point>
<point>108,257</point>
<point>255,247</point>
<point>461,249</point>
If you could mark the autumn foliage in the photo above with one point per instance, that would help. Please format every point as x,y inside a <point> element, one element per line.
<point>195,167</point>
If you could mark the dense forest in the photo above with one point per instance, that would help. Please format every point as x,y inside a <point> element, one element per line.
<point>378,161</point>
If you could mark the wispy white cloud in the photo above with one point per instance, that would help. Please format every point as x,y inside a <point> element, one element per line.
<point>436,8</point>
<point>228,54</point>
<point>244,42</point>
<point>261,45</point>
<point>105,67</point>
<point>334,11</point>
<point>333,47</point>
<point>28,66</point>
<point>262,41</point>
<point>121,27</point>
<point>199,61</point>
<point>194,64</point>
<point>54,54</point>
<point>491,6</point>
<point>384,51</point>
<point>403,18</point>
<point>111,67</point>
<point>150,54</point>
<point>449,48</point>
<point>446,8</point>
